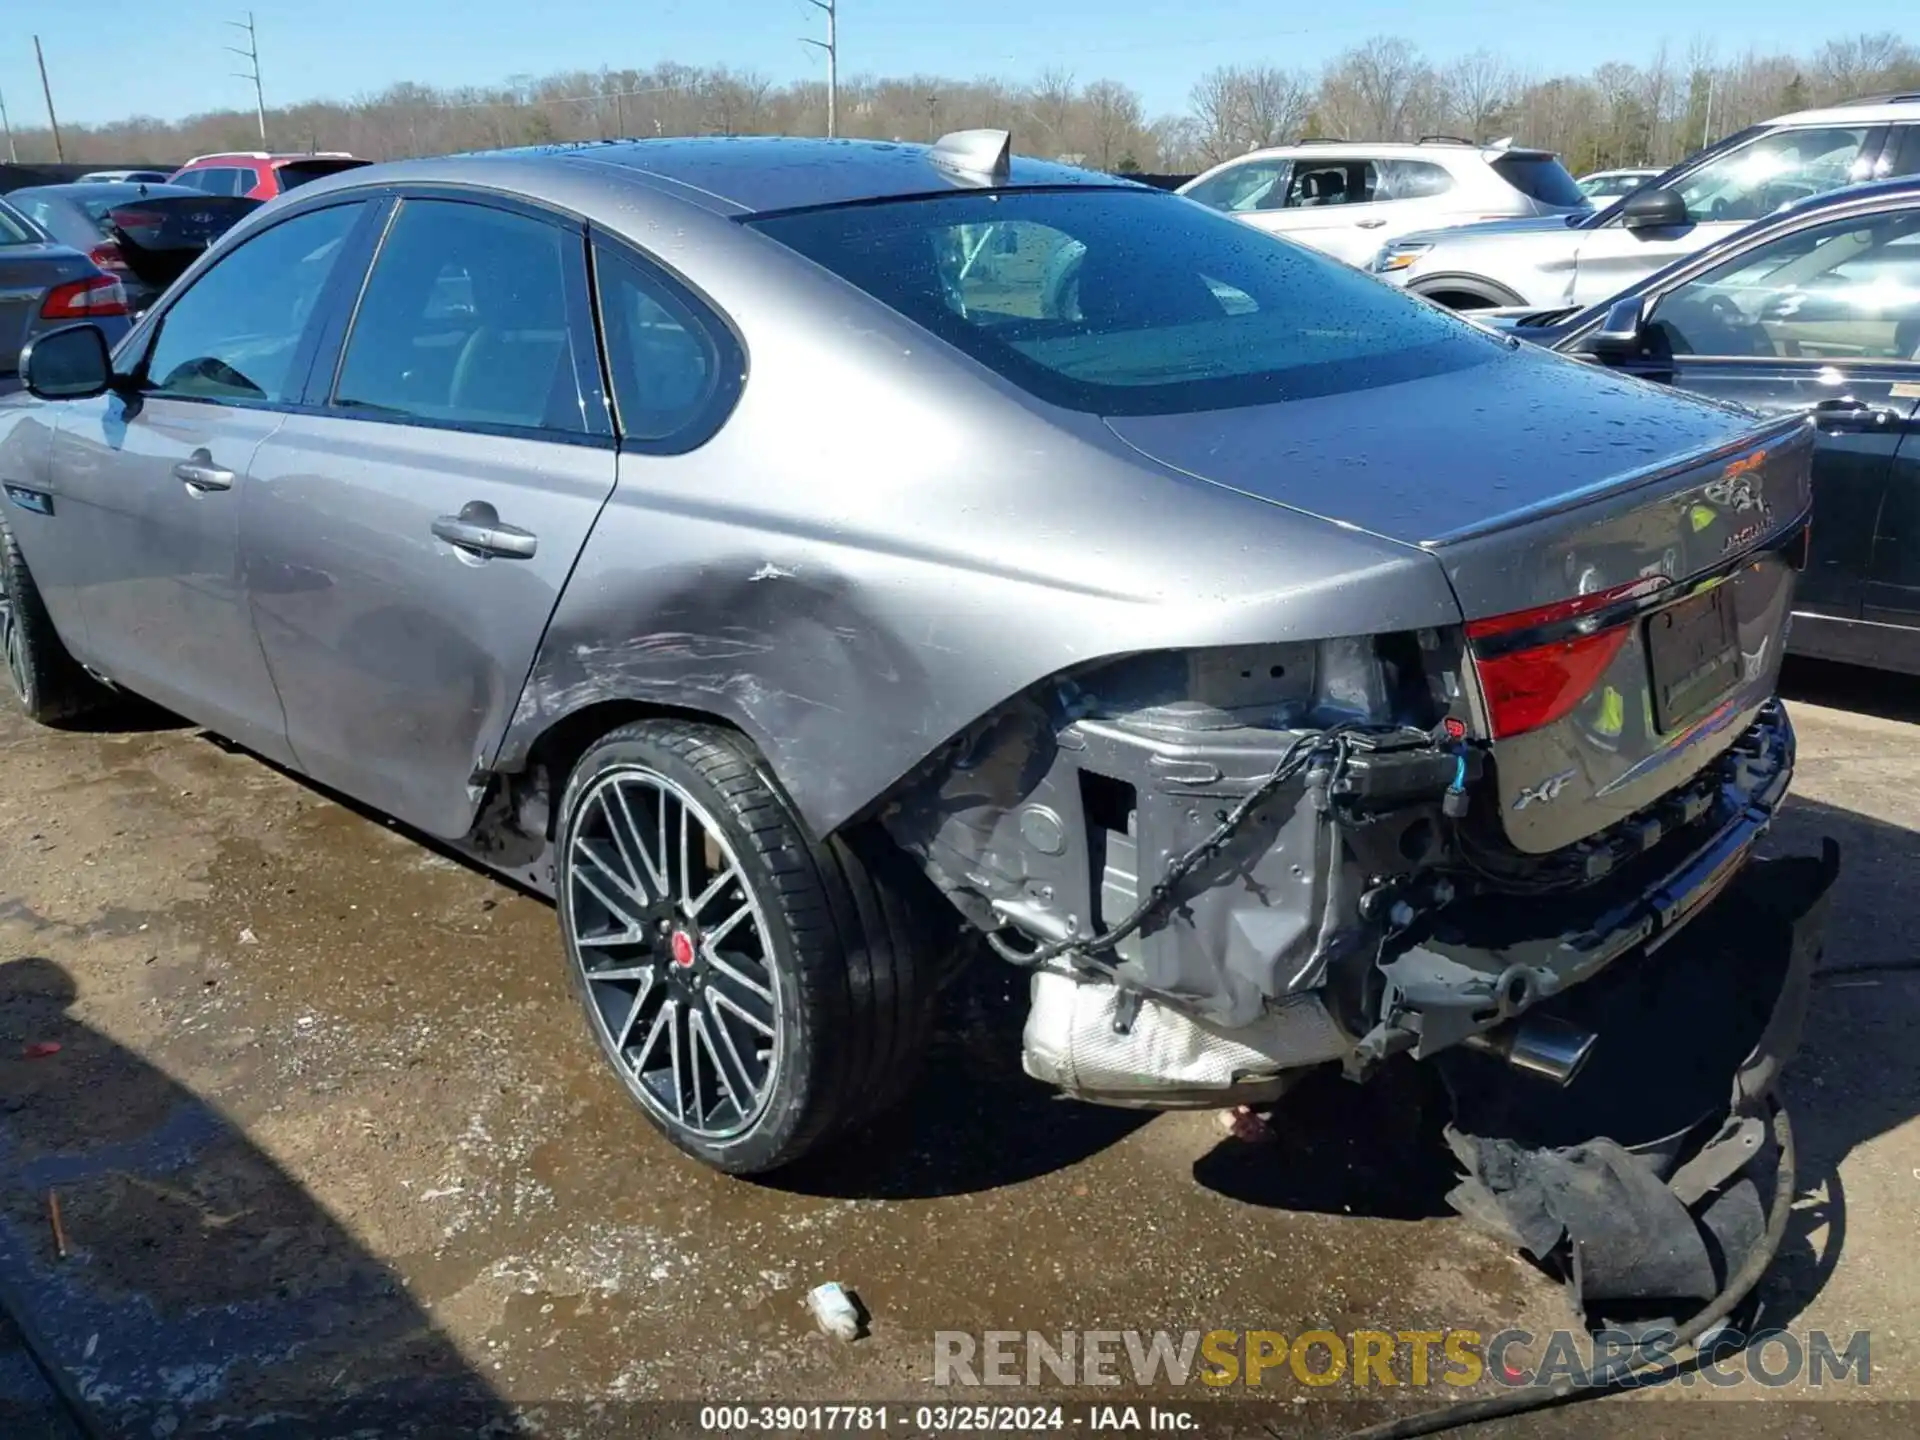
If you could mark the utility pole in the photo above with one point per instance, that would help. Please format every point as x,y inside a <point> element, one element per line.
<point>13,155</point>
<point>252,56</point>
<point>59,150</point>
<point>933,106</point>
<point>1706,130</point>
<point>832,46</point>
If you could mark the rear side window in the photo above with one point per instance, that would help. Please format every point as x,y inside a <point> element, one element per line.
<point>465,321</point>
<point>1128,302</point>
<point>233,336</point>
<point>14,228</point>
<point>1412,180</point>
<point>1539,177</point>
<point>219,180</point>
<point>1336,182</point>
<point>666,368</point>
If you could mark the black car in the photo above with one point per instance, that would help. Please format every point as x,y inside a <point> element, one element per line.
<point>1816,310</point>
<point>145,235</point>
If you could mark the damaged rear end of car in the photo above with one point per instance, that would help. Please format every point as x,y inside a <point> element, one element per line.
<point>1227,864</point>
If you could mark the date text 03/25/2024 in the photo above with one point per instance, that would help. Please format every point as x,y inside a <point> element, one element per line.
<point>944,1419</point>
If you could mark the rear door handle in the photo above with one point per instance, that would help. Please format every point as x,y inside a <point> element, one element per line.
<point>478,530</point>
<point>1369,224</point>
<point>202,474</point>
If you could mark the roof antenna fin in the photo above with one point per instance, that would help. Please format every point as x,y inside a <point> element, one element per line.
<point>986,154</point>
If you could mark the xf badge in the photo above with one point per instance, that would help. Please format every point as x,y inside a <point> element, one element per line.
<point>1544,793</point>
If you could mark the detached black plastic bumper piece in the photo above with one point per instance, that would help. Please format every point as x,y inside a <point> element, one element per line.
<point>1643,1183</point>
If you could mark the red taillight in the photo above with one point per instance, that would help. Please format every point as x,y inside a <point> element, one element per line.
<point>137,219</point>
<point>1533,685</point>
<point>1530,688</point>
<point>89,299</point>
<point>107,256</point>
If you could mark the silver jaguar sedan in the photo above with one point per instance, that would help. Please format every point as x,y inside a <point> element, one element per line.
<point>814,562</point>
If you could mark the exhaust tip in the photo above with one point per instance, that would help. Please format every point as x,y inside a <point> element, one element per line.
<point>1543,1046</point>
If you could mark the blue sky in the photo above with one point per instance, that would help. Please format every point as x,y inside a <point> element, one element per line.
<point>111,58</point>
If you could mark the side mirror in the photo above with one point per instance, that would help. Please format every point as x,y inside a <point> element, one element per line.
<point>1622,335</point>
<point>68,364</point>
<point>1651,209</point>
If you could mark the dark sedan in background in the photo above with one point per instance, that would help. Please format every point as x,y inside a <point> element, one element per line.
<point>145,235</point>
<point>45,285</point>
<point>1815,310</point>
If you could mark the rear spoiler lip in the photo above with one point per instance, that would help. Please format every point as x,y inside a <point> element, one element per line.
<point>1798,427</point>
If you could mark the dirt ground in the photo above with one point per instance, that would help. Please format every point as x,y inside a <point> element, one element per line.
<point>327,1130</point>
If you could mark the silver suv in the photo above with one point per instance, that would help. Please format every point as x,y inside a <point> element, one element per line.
<point>1580,259</point>
<point>1346,199</point>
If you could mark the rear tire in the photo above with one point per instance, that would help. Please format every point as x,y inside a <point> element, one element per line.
<point>46,680</point>
<point>758,993</point>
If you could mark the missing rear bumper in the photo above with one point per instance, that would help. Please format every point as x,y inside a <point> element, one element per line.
<point>1642,1183</point>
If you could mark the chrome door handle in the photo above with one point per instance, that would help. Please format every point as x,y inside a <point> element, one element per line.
<point>478,530</point>
<point>1369,224</point>
<point>203,475</point>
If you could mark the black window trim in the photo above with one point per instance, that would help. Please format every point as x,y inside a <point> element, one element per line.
<point>730,347</point>
<point>596,407</point>
<point>132,355</point>
<point>1707,260</point>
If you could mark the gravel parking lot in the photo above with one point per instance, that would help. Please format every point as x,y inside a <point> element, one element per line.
<point>324,1122</point>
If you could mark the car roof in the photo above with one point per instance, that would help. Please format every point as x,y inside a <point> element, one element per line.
<point>1435,150</point>
<point>1871,111</point>
<point>228,157</point>
<point>736,175</point>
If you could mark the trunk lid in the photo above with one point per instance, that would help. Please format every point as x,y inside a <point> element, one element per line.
<point>161,235</point>
<point>1561,501</point>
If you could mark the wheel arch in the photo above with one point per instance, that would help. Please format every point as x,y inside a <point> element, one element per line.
<point>1478,287</point>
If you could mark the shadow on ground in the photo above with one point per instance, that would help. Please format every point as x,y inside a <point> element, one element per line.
<point>202,1288</point>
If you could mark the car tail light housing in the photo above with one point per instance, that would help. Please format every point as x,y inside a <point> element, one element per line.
<point>107,255</point>
<point>1536,665</point>
<point>92,298</point>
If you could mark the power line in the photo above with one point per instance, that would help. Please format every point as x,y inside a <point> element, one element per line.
<point>252,56</point>
<point>832,46</point>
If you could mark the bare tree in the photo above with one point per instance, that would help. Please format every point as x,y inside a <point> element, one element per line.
<point>1055,98</point>
<point>1655,112</point>
<point>1377,90</point>
<point>1243,109</point>
<point>1114,117</point>
<point>1476,88</point>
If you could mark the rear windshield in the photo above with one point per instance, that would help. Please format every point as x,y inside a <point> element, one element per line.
<point>1130,302</point>
<point>1540,177</point>
<point>299,172</point>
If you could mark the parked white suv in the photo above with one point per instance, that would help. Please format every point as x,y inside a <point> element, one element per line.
<point>1346,198</point>
<point>1580,260</point>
